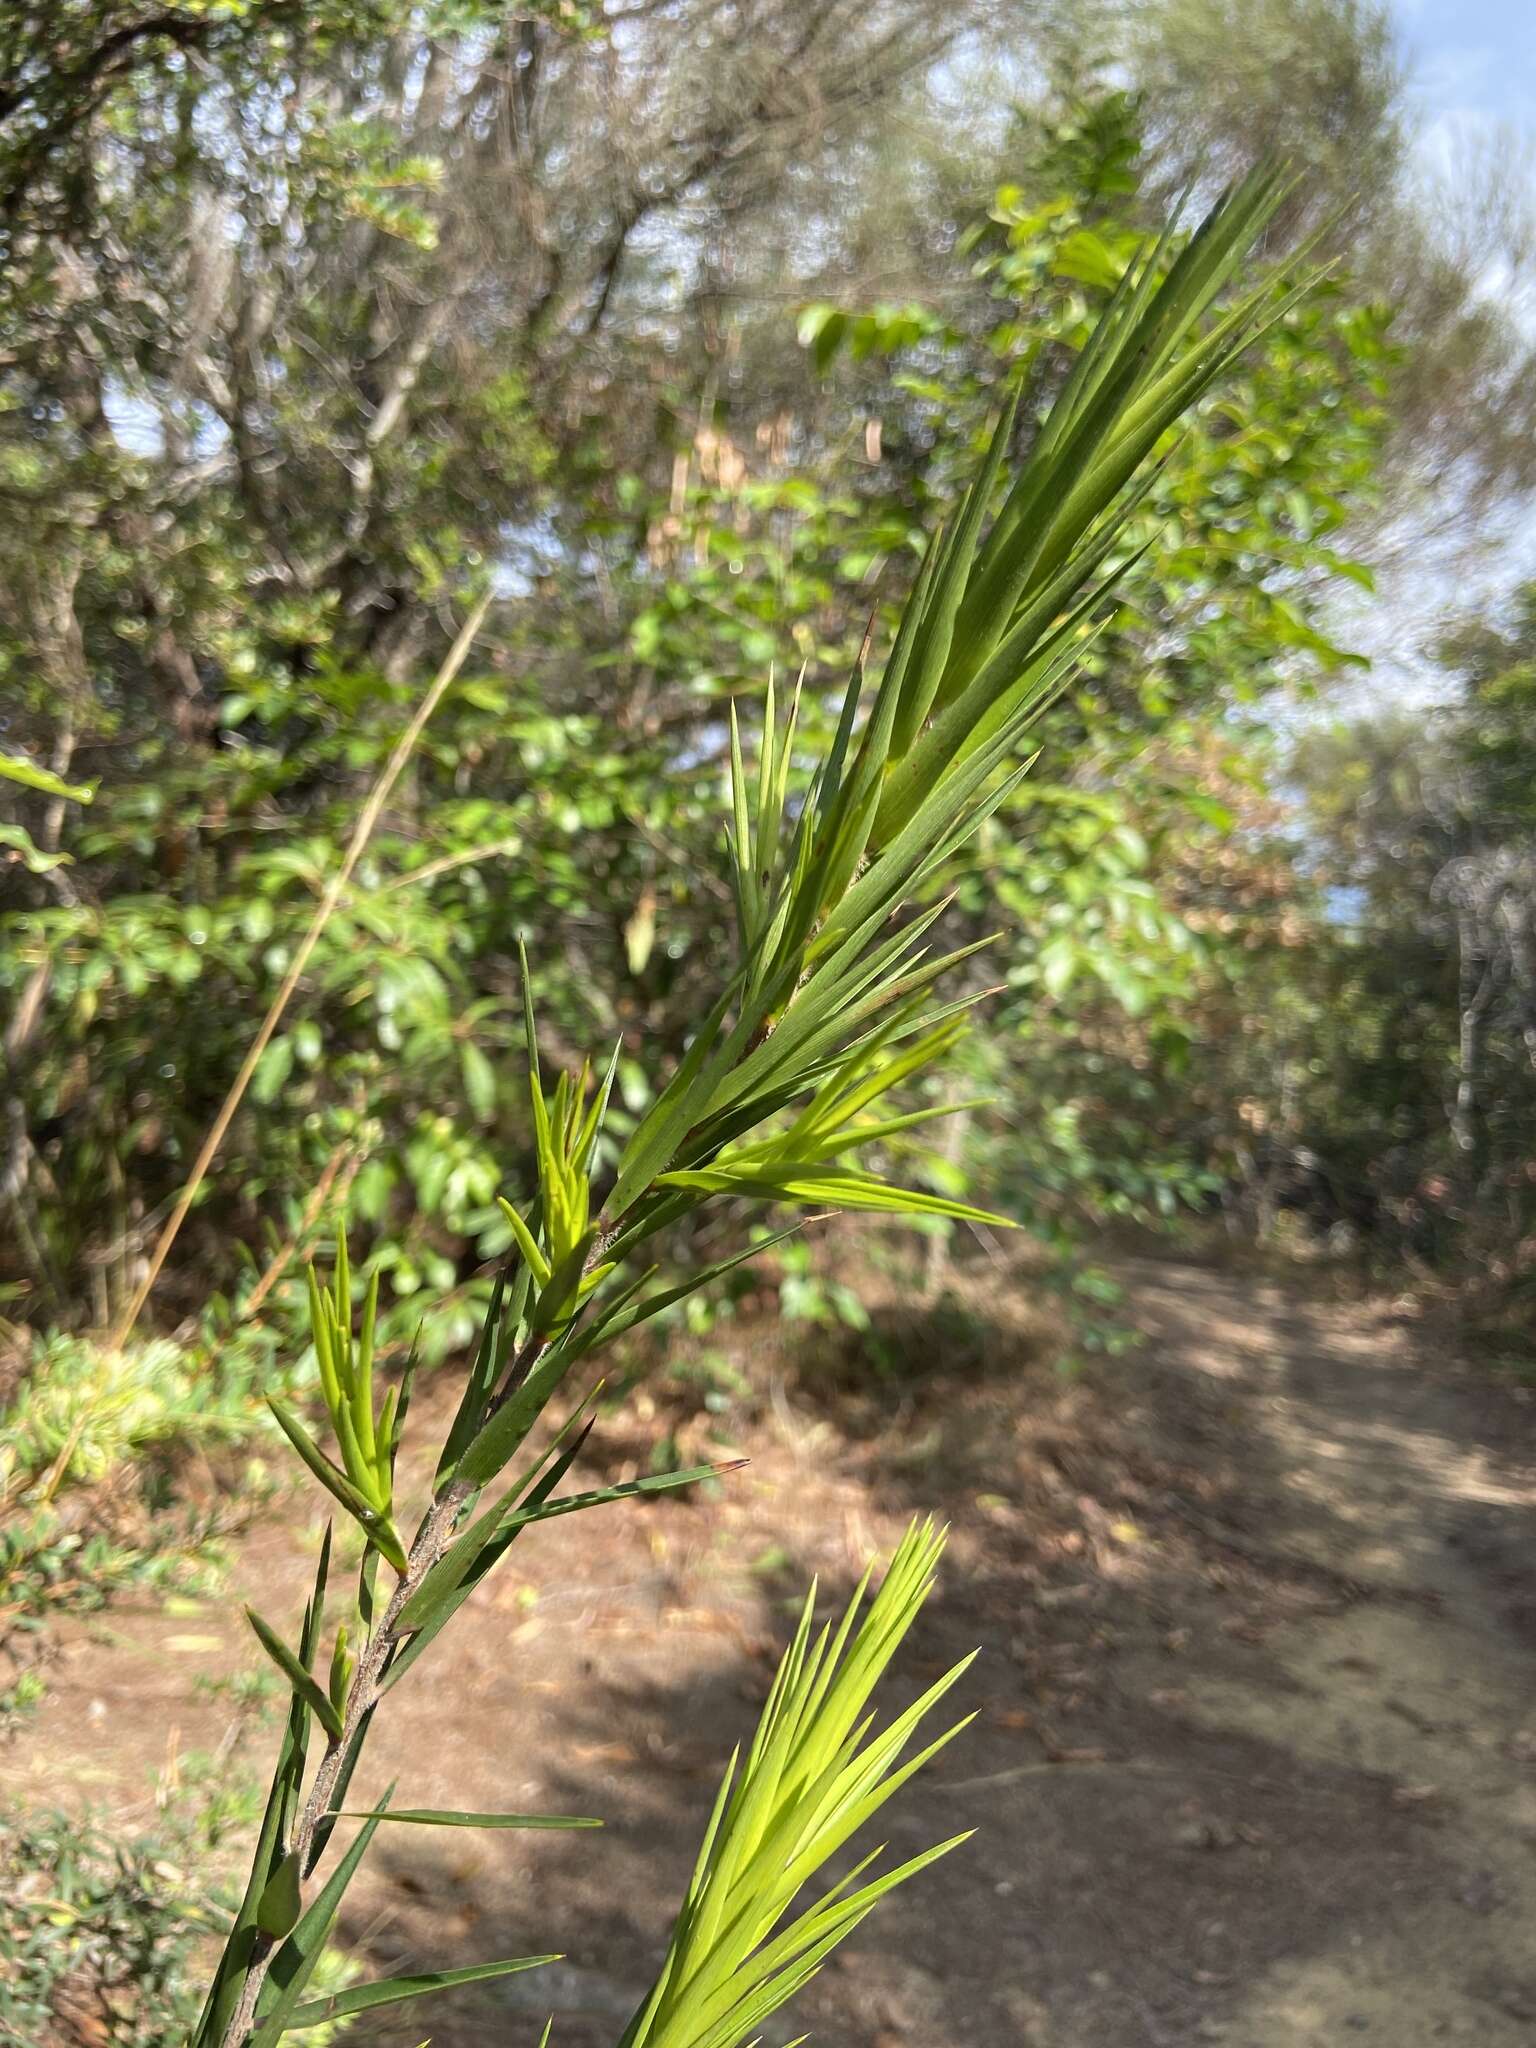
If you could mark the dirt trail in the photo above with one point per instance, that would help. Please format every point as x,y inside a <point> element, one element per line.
<point>1256,1755</point>
<point>1414,1489</point>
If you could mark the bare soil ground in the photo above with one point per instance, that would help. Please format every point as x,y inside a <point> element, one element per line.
<point>1256,1755</point>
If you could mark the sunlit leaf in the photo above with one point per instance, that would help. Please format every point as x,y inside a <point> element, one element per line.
<point>395,1990</point>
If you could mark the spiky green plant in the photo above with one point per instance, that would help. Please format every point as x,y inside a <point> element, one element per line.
<point>830,1006</point>
<point>814,1775</point>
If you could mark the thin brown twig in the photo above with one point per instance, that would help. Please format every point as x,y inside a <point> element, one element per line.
<point>319,1194</point>
<point>448,861</point>
<point>368,818</point>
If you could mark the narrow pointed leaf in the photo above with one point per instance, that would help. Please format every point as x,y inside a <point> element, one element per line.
<point>480,1548</point>
<point>626,1315</point>
<point>451,1817</point>
<point>503,1522</point>
<point>330,1476</point>
<point>302,1684</point>
<point>501,1318</point>
<point>395,1990</point>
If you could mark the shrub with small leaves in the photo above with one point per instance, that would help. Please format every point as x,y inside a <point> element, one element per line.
<point>82,1409</point>
<point>98,1935</point>
<point>104,1935</point>
<point>89,1439</point>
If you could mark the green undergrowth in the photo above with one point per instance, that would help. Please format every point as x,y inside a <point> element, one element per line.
<point>108,1927</point>
<point>123,1469</point>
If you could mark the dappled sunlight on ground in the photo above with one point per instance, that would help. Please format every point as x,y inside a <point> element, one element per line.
<point>1255,1750</point>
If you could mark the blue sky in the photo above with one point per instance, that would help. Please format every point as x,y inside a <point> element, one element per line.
<point>1471,74</point>
<point>1473,61</point>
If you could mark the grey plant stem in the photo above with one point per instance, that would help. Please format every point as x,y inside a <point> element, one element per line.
<point>367,1683</point>
<point>430,1542</point>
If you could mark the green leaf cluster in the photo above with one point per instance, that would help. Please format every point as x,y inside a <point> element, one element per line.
<point>814,1775</point>
<point>830,1007</point>
<point>364,1482</point>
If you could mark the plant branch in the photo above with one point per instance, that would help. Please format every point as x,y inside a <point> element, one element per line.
<point>368,818</point>
<point>367,1687</point>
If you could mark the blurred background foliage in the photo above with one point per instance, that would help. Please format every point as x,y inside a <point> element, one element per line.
<point>677,322</point>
